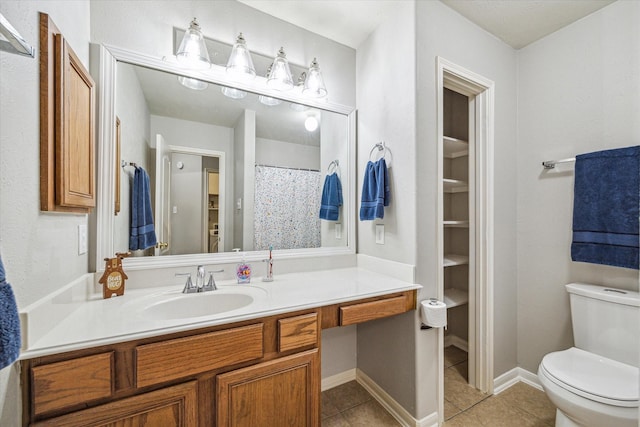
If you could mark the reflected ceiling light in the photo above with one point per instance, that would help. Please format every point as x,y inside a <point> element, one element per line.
<point>194,84</point>
<point>311,123</point>
<point>240,63</point>
<point>280,75</point>
<point>314,83</point>
<point>298,107</point>
<point>193,51</point>
<point>267,100</point>
<point>233,92</point>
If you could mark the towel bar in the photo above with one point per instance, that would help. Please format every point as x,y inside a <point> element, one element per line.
<point>550,164</point>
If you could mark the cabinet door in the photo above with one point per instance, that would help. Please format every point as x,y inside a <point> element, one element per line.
<point>170,407</point>
<point>281,392</point>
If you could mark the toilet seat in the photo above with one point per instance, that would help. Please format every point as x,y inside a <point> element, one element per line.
<point>593,377</point>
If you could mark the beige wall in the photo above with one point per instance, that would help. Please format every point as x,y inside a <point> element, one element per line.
<point>578,91</point>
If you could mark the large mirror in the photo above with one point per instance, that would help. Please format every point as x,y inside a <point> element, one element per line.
<point>226,173</point>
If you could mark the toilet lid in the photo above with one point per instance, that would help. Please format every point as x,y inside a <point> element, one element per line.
<point>594,377</point>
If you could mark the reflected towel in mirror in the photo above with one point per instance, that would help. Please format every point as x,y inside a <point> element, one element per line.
<point>142,234</point>
<point>9,323</point>
<point>331,198</point>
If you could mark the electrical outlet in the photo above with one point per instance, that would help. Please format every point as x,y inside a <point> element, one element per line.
<point>82,239</point>
<point>338,231</point>
<point>380,234</point>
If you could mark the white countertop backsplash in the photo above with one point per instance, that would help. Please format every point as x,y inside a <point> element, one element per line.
<point>77,317</point>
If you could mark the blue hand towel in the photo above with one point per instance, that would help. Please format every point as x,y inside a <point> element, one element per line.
<point>375,191</point>
<point>142,233</point>
<point>9,323</point>
<point>331,198</point>
<point>606,208</point>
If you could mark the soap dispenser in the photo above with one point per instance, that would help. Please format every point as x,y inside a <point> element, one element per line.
<point>243,271</point>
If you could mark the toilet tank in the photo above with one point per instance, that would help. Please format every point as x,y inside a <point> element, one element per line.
<point>606,321</point>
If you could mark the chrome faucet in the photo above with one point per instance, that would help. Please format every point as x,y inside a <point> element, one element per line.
<point>200,278</point>
<point>200,286</point>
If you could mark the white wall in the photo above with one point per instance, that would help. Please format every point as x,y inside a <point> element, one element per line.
<point>286,154</point>
<point>39,250</point>
<point>578,91</point>
<point>386,99</point>
<point>185,133</point>
<point>131,108</point>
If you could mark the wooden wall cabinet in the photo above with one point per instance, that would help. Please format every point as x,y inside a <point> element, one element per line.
<point>67,125</point>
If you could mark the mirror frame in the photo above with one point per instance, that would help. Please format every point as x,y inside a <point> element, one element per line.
<point>108,56</point>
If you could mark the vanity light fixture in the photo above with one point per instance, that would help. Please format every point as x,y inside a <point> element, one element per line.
<point>267,100</point>
<point>314,83</point>
<point>240,63</point>
<point>280,75</point>
<point>194,84</point>
<point>234,93</point>
<point>193,51</point>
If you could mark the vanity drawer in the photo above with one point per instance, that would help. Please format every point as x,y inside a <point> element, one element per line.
<point>181,357</point>
<point>297,332</point>
<point>363,312</point>
<point>62,384</point>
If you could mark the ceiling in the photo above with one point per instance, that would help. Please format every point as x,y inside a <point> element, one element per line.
<point>516,22</point>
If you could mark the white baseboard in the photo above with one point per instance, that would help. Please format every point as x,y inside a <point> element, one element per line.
<point>456,341</point>
<point>514,376</point>
<point>338,379</point>
<point>394,408</point>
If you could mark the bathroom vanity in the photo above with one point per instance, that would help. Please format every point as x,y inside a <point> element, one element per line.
<point>254,365</point>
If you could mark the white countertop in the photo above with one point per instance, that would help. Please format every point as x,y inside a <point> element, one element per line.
<point>96,321</point>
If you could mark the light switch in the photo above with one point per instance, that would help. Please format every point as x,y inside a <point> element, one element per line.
<point>338,231</point>
<point>174,210</point>
<point>380,234</point>
<point>82,239</point>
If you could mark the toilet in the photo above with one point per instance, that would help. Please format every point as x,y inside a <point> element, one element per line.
<point>595,383</point>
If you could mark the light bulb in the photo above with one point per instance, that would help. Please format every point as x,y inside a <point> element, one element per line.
<point>240,63</point>
<point>314,83</point>
<point>280,75</point>
<point>311,123</point>
<point>192,51</point>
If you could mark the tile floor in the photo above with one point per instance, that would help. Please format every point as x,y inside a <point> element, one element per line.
<point>521,405</point>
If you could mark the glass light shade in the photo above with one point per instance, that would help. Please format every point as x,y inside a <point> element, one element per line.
<point>267,100</point>
<point>191,83</point>
<point>298,107</point>
<point>193,51</point>
<point>233,93</point>
<point>314,83</point>
<point>240,63</point>
<point>280,75</point>
<point>311,123</point>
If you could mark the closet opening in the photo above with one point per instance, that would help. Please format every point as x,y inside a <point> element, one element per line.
<point>465,236</point>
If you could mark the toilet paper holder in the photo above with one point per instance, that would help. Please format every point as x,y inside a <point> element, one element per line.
<point>431,301</point>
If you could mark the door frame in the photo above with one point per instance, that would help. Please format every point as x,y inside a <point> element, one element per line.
<point>481,93</point>
<point>221,155</point>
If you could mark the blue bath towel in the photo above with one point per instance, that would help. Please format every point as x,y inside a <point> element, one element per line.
<point>331,198</point>
<point>606,208</point>
<point>142,232</point>
<point>375,191</point>
<point>9,323</point>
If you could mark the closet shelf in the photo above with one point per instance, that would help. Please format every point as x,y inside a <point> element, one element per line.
<point>455,186</point>
<point>454,148</point>
<point>454,297</point>
<point>451,260</point>
<point>456,224</point>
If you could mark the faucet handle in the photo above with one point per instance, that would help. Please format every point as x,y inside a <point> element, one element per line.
<point>189,288</point>
<point>211,283</point>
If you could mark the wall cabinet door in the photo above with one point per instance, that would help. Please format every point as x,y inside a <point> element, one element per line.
<point>169,407</point>
<point>281,392</point>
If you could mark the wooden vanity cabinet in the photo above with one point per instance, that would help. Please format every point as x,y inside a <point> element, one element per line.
<point>263,372</point>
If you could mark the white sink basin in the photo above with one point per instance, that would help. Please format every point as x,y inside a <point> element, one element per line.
<point>171,306</point>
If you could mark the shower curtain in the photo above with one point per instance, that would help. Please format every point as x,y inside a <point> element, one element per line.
<point>287,202</point>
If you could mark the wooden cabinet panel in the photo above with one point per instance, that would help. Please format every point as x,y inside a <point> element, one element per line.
<point>62,384</point>
<point>358,313</point>
<point>169,407</point>
<point>178,358</point>
<point>67,122</point>
<point>297,332</point>
<point>281,392</point>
